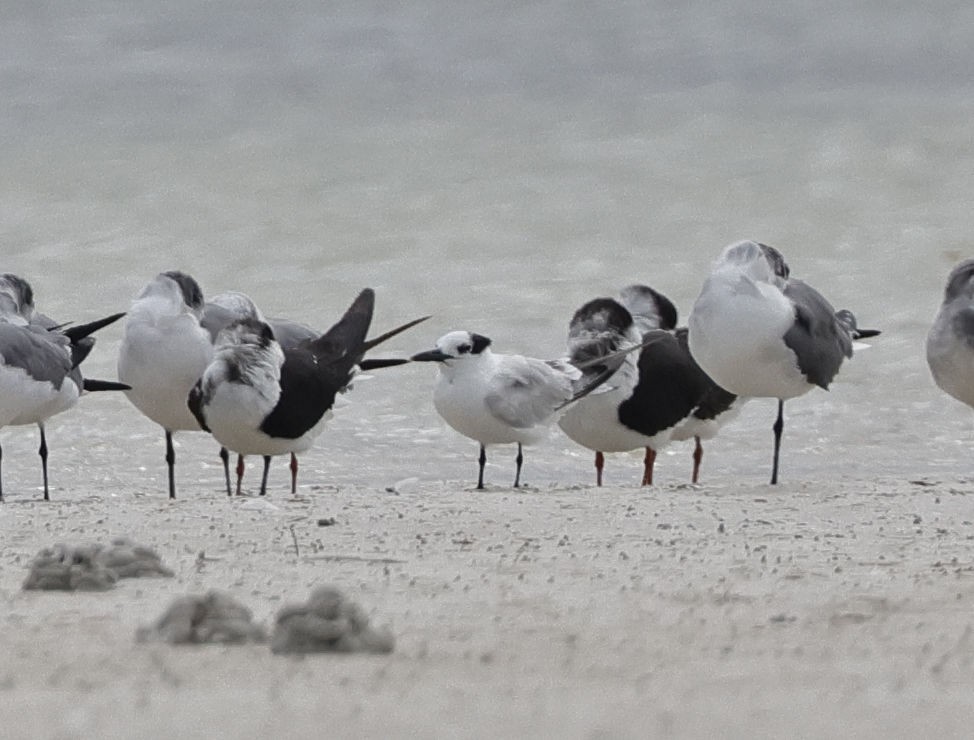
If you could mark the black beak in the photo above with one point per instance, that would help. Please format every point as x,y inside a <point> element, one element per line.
<point>433,355</point>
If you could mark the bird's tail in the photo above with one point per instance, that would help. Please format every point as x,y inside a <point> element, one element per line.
<point>847,320</point>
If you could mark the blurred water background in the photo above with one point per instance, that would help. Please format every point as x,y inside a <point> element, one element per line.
<point>496,165</point>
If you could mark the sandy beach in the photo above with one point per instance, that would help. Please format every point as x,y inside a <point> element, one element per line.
<point>832,609</point>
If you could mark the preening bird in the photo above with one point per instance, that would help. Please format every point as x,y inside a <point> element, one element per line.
<point>259,398</point>
<point>758,332</point>
<point>950,341</point>
<point>657,396</point>
<point>40,373</point>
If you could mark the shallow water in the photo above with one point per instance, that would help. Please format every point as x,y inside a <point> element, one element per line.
<point>494,168</point>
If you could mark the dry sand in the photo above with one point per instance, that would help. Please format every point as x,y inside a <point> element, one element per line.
<point>839,608</point>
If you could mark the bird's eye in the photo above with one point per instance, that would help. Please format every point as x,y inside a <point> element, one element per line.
<point>464,349</point>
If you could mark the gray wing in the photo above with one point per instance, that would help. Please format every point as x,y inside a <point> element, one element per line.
<point>290,334</point>
<point>43,355</point>
<point>819,342</point>
<point>526,392</point>
<point>226,308</point>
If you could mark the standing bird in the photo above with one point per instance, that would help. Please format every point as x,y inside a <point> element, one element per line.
<point>504,399</point>
<point>164,352</point>
<point>950,342</point>
<point>227,308</point>
<point>258,398</point>
<point>758,332</point>
<point>40,373</point>
<point>659,396</point>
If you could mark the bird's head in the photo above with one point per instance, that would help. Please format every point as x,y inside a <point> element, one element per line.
<point>960,283</point>
<point>457,346</point>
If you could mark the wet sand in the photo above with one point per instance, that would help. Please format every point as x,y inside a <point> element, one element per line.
<point>812,609</point>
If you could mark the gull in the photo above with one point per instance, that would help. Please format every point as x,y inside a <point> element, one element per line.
<point>40,373</point>
<point>259,398</point>
<point>950,342</point>
<point>505,399</point>
<point>760,333</point>
<point>656,397</point>
<point>164,351</point>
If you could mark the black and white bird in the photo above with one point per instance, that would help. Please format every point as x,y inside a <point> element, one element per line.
<point>232,306</point>
<point>40,373</point>
<point>760,333</point>
<point>653,398</point>
<point>503,399</point>
<point>950,342</point>
<point>258,398</point>
<point>164,351</point>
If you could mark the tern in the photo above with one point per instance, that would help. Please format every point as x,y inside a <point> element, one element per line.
<point>505,399</point>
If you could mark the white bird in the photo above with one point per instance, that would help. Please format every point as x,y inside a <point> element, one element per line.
<point>659,396</point>
<point>40,373</point>
<point>502,399</point>
<point>259,398</point>
<point>164,351</point>
<point>950,342</point>
<point>760,333</point>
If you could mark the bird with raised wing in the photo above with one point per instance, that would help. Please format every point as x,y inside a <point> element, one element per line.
<point>259,398</point>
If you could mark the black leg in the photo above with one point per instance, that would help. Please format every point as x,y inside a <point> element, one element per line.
<point>483,461</point>
<point>778,427</point>
<point>519,460</point>
<point>599,464</point>
<point>263,478</point>
<point>240,472</point>
<point>225,457</point>
<point>171,462</point>
<point>43,453</point>
<point>697,458</point>
<point>294,474</point>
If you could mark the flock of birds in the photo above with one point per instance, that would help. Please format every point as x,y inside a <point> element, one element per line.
<point>631,378</point>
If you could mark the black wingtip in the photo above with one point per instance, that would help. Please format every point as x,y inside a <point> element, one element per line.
<point>92,384</point>
<point>76,333</point>
<point>390,334</point>
<point>379,364</point>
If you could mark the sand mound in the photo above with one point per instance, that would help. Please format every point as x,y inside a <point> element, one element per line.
<point>129,559</point>
<point>70,568</point>
<point>92,567</point>
<point>215,617</point>
<point>328,622</point>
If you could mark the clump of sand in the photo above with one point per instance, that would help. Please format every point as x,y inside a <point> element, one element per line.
<point>92,567</point>
<point>131,560</point>
<point>215,617</point>
<point>328,622</point>
<point>70,568</point>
